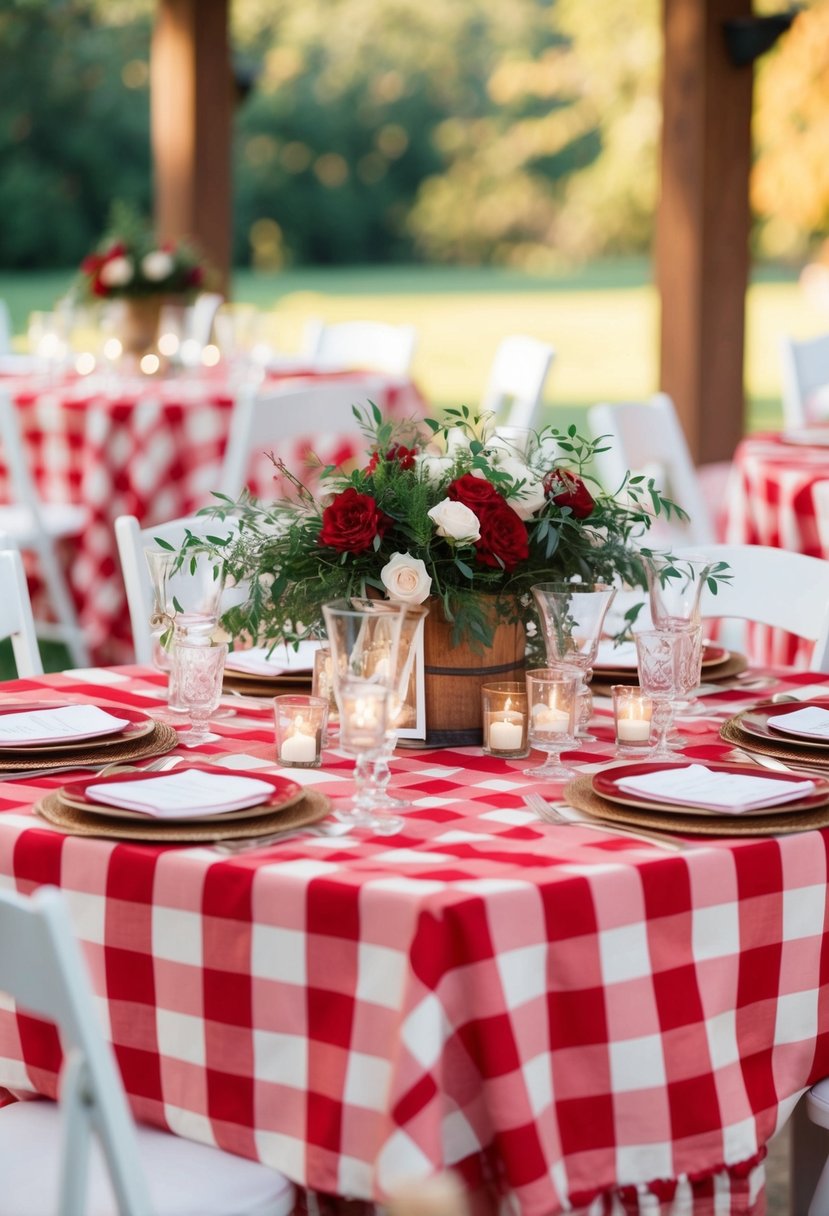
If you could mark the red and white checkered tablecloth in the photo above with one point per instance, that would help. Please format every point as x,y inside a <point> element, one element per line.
<point>769,502</point>
<point>577,1020</point>
<point>154,452</point>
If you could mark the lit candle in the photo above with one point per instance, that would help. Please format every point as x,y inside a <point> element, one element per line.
<point>550,720</point>
<point>506,735</point>
<point>363,718</point>
<point>633,724</point>
<point>299,747</point>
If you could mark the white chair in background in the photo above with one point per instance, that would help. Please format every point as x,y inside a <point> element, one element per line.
<point>645,437</point>
<point>820,502</point>
<point>771,587</point>
<point>84,1154</point>
<point>5,328</point>
<point>804,369</point>
<point>132,540</point>
<point>16,621</point>
<point>200,316</point>
<point>374,345</point>
<point>38,526</point>
<point>262,422</point>
<point>516,383</point>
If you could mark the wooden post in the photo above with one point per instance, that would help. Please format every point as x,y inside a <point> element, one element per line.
<point>191,108</point>
<point>703,223</point>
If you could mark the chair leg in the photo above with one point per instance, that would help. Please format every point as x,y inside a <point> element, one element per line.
<point>61,600</point>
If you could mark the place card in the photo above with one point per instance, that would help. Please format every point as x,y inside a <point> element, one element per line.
<point>723,792</point>
<point>38,726</point>
<point>191,794</point>
<point>812,721</point>
<point>267,661</point>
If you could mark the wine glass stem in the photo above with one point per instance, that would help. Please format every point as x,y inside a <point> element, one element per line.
<point>663,716</point>
<point>364,781</point>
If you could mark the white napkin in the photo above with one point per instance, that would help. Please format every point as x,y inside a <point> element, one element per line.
<point>812,721</point>
<point>191,794</point>
<point>57,725</point>
<point>256,661</point>
<point>611,655</point>
<point>726,793</point>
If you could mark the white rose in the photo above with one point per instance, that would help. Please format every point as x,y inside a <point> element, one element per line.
<point>457,441</point>
<point>433,468</point>
<point>117,272</point>
<point>266,579</point>
<point>156,266</point>
<point>531,497</point>
<point>406,579</point>
<point>455,521</point>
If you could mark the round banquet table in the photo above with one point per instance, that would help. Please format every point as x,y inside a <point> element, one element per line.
<point>149,448</point>
<point>576,1021</point>
<point>769,502</point>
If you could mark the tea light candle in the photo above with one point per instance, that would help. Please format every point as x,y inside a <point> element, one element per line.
<point>632,711</point>
<point>506,733</point>
<point>633,730</point>
<point>363,718</point>
<point>550,720</point>
<point>299,747</point>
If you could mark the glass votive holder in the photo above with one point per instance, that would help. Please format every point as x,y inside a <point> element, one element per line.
<point>632,711</point>
<point>504,717</point>
<point>300,723</point>
<point>364,710</point>
<point>322,685</point>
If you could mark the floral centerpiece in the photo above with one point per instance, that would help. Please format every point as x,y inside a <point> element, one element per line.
<point>129,263</point>
<point>440,512</point>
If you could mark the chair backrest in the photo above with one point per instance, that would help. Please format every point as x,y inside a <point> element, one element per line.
<point>16,620</point>
<point>261,422</point>
<point>43,970</point>
<point>804,368</point>
<point>645,437</point>
<point>516,381</point>
<point>132,540</point>
<point>200,316</point>
<point>5,328</point>
<point>374,345</point>
<point>771,587</point>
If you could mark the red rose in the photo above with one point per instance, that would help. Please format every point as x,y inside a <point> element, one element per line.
<point>567,490</point>
<point>195,277</point>
<point>351,522</point>
<point>503,535</point>
<point>474,492</point>
<point>404,456</point>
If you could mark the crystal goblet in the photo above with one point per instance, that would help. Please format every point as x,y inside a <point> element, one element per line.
<point>552,698</point>
<point>198,667</point>
<point>572,615</point>
<point>669,665</point>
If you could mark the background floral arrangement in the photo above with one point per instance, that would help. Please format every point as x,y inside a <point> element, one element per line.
<point>129,263</point>
<point>439,510</point>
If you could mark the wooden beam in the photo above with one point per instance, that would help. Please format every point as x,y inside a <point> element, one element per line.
<point>191,110</point>
<point>702,253</point>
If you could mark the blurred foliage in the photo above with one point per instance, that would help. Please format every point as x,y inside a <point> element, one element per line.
<point>521,133</point>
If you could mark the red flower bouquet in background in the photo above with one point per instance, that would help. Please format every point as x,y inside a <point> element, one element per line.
<point>439,510</point>
<point>130,264</point>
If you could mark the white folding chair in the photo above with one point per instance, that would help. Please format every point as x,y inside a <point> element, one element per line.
<point>132,540</point>
<point>38,526</point>
<point>261,422</point>
<point>804,370</point>
<point>374,345</point>
<point>645,437</point>
<point>83,1154</point>
<point>516,383</point>
<point>200,316</point>
<point>771,587</point>
<point>16,620</point>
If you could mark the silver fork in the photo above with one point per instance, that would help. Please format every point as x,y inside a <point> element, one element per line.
<point>546,811</point>
<point>247,844</point>
<point>102,769</point>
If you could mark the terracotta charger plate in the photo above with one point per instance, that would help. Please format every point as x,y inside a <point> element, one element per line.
<point>284,794</point>
<point>138,725</point>
<point>756,722</point>
<point>606,785</point>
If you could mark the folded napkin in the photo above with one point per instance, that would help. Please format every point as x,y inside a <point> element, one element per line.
<point>812,721</point>
<point>725,793</point>
<point>262,661</point>
<point>67,722</point>
<point>611,655</point>
<point>191,794</point>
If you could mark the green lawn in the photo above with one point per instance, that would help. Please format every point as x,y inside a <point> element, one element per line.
<point>602,320</point>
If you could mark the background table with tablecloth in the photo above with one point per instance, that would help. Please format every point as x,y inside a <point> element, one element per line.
<point>152,450</point>
<point>563,1014</point>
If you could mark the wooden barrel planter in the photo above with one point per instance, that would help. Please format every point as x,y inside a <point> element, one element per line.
<point>454,674</point>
